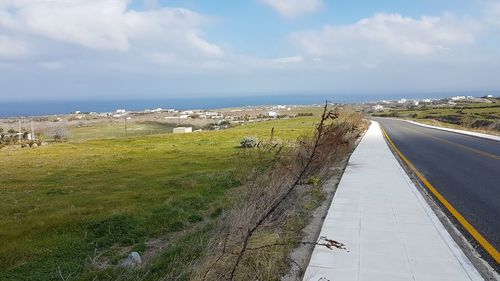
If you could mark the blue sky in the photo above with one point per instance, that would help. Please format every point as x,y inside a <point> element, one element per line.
<point>120,49</point>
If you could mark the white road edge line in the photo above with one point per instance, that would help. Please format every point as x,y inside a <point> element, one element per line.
<point>475,134</point>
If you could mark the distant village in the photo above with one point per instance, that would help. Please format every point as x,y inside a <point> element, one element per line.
<point>217,119</point>
<point>29,131</point>
<point>418,103</point>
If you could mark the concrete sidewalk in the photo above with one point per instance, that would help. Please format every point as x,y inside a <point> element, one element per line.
<point>389,230</point>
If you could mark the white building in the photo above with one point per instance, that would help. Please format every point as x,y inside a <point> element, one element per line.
<point>180,130</point>
<point>121,111</point>
<point>211,114</point>
<point>457,98</point>
<point>272,114</point>
<point>402,101</point>
<point>378,107</point>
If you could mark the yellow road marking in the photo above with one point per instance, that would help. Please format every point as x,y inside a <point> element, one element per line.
<point>472,231</point>
<point>487,154</point>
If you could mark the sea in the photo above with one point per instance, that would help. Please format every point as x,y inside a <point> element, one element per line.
<point>56,107</point>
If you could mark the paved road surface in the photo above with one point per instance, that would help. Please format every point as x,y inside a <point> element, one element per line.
<point>464,169</point>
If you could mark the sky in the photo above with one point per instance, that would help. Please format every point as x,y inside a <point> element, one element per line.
<point>128,49</point>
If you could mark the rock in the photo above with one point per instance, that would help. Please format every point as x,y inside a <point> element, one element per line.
<point>133,260</point>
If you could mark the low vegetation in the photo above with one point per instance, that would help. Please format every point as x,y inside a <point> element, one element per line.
<point>12,137</point>
<point>74,210</point>
<point>253,239</point>
<point>482,117</point>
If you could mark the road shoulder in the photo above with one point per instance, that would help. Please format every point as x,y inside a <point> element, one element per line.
<point>463,132</point>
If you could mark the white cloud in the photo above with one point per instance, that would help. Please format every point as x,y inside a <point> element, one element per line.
<point>204,46</point>
<point>492,14</point>
<point>108,25</point>
<point>387,35</point>
<point>293,8</point>
<point>12,48</point>
<point>52,65</point>
<point>106,47</point>
<point>293,59</point>
<point>151,4</point>
<point>161,58</point>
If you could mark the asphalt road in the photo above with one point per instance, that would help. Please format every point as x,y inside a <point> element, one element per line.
<point>464,169</point>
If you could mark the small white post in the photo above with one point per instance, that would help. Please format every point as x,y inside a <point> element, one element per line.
<point>19,129</point>
<point>32,131</point>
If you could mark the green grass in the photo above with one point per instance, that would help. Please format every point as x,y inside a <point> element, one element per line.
<point>117,130</point>
<point>64,202</point>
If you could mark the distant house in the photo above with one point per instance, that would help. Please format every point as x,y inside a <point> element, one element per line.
<point>212,115</point>
<point>272,114</point>
<point>180,130</point>
<point>23,135</point>
<point>159,109</point>
<point>378,107</point>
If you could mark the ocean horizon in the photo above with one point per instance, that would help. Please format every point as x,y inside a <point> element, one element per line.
<point>59,107</point>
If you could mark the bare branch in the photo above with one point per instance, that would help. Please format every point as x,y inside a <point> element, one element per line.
<point>320,130</point>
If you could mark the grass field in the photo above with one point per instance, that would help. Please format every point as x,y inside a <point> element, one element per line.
<point>482,117</point>
<point>117,130</point>
<point>70,208</point>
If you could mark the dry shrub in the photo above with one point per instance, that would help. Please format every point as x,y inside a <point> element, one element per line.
<point>248,239</point>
